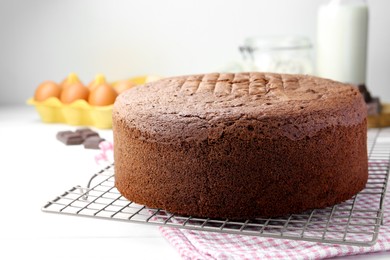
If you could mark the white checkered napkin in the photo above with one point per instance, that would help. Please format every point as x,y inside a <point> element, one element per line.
<point>209,245</point>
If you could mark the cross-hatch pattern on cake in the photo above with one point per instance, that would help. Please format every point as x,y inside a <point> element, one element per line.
<point>256,85</point>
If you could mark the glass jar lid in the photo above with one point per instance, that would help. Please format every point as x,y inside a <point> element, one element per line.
<point>276,43</point>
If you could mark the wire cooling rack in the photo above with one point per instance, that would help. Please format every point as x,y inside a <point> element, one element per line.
<point>353,222</point>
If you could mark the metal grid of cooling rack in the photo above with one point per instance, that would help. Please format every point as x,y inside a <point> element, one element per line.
<point>353,222</point>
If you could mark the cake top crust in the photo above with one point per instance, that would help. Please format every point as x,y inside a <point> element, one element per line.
<point>274,103</point>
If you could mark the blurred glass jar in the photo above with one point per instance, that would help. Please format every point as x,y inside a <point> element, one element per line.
<point>280,54</point>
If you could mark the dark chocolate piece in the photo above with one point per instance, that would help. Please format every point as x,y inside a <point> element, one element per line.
<point>79,130</point>
<point>374,107</point>
<point>69,138</point>
<point>86,132</point>
<point>373,103</point>
<point>93,142</point>
<point>364,91</point>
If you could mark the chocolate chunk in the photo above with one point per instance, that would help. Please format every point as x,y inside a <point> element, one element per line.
<point>92,142</point>
<point>70,138</point>
<point>374,107</point>
<point>86,132</point>
<point>364,91</point>
<point>82,130</point>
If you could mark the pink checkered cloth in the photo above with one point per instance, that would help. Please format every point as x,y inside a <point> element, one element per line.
<point>210,245</point>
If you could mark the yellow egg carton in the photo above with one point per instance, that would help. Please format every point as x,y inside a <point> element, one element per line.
<point>80,112</point>
<point>52,110</point>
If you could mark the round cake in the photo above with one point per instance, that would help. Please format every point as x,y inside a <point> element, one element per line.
<point>242,145</point>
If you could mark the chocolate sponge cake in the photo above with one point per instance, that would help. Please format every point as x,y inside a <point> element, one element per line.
<point>240,145</point>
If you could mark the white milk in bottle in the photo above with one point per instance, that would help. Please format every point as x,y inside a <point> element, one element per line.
<point>342,41</point>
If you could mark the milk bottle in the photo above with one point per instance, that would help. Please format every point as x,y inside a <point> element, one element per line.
<point>342,41</point>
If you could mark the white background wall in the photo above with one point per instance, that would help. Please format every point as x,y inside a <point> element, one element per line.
<point>47,39</point>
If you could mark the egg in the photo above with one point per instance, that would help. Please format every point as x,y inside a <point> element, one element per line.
<point>99,80</point>
<point>123,85</point>
<point>102,95</point>
<point>74,92</point>
<point>70,80</point>
<point>46,90</point>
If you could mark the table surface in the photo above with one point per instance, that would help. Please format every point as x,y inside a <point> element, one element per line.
<point>37,168</point>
